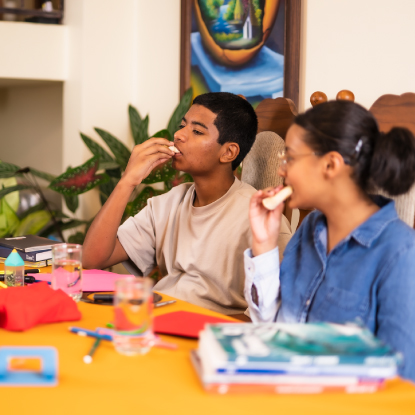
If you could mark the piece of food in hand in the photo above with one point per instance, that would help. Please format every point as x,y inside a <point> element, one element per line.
<point>272,202</point>
<point>174,149</point>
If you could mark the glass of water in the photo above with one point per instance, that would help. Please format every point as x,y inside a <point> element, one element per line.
<point>67,269</point>
<point>133,315</point>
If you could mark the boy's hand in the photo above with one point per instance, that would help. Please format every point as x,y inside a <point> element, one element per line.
<point>144,158</point>
<point>265,224</point>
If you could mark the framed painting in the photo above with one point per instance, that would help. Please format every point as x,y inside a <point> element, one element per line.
<point>247,47</point>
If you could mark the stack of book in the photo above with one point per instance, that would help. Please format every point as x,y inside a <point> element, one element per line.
<point>292,358</point>
<point>34,250</point>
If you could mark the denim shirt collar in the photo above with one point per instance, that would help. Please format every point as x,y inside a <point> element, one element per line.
<point>368,231</point>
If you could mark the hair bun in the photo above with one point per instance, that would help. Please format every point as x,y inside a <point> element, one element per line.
<point>392,168</point>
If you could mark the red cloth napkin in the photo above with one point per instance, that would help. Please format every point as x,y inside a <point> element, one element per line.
<point>24,307</point>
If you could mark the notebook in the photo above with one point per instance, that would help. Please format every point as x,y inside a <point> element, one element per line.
<point>92,279</point>
<point>28,243</point>
<point>184,323</point>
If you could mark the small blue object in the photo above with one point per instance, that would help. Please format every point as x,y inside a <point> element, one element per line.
<point>48,375</point>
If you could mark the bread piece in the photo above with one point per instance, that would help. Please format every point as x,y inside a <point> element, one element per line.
<point>174,149</point>
<point>272,202</point>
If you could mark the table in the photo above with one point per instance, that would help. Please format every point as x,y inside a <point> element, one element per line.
<point>161,382</point>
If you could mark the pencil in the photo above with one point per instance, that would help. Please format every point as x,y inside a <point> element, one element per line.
<point>2,285</point>
<point>88,357</point>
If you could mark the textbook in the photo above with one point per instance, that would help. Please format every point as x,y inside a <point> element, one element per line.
<point>27,256</point>
<point>280,384</point>
<point>37,264</point>
<point>28,243</point>
<point>323,354</point>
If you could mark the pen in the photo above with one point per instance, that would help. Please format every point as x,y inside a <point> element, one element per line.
<point>27,279</point>
<point>88,357</point>
<point>164,303</point>
<point>84,332</point>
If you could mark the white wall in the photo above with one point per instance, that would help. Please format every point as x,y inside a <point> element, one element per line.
<point>118,56</point>
<point>366,46</point>
<point>31,126</point>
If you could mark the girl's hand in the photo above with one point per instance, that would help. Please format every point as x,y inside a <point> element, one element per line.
<point>265,224</point>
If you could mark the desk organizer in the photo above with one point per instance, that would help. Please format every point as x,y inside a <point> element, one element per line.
<point>47,376</point>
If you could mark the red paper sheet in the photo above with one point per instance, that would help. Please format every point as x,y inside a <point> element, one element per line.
<point>184,323</point>
<point>92,279</point>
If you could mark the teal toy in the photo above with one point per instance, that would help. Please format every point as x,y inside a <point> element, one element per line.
<point>14,270</point>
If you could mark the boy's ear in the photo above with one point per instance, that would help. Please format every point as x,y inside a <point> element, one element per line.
<point>229,152</point>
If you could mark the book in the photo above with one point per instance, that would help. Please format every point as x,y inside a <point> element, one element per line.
<point>309,349</point>
<point>27,256</point>
<point>28,243</point>
<point>37,264</point>
<point>224,384</point>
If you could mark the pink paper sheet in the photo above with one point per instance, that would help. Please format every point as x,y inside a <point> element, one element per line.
<point>92,279</point>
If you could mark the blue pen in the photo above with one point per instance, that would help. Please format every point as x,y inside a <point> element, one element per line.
<point>84,332</point>
<point>48,282</point>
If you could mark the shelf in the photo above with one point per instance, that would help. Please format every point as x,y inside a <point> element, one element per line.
<point>32,51</point>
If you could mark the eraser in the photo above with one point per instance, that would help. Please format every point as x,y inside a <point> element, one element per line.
<point>272,202</point>
<point>174,149</point>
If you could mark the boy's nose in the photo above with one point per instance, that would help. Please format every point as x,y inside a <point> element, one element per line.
<point>180,135</point>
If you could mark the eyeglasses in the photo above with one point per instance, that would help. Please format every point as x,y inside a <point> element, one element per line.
<point>285,159</point>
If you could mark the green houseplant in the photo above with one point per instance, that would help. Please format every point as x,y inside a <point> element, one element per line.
<point>102,171</point>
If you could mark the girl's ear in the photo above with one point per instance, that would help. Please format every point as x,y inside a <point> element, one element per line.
<point>229,152</point>
<point>333,164</point>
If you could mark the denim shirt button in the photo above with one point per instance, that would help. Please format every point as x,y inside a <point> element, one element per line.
<point>307,303</point>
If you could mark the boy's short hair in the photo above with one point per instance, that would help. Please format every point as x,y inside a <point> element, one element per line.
<point>235,120</point>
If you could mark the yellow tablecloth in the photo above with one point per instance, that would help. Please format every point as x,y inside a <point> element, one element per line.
<point>161,382</point>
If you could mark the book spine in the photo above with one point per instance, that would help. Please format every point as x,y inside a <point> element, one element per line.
<point>235,388</point>
<point>27,256</point>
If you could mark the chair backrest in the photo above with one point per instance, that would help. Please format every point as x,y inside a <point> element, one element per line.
<point>398,111</point>
<point>260,166</point>
<point>276,115</point>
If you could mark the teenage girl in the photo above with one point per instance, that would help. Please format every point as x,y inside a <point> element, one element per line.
<point>352,259</point>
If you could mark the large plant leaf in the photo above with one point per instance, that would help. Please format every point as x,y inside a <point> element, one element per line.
<point>45,176</point>
<point>39,206</point>
<point>108,165</point>
<point>139,127</point>
<point>180,111</point>
<point>140,201</point>
<point>63,226</point>
<point>77,238</point>
<point>97,150</point>
<point>11,189</point>
<point>13,199</point>
<point>79,179</point>
<point>33,223</point>
<point>7,169</point>
<point>163,134</point>
<point>120,151</point>
<point>72,202</point>
<point>106,189</point>
<point>8,219</point>
<point>162,173</point>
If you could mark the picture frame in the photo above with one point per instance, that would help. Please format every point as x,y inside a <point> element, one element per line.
<point>292,32</point>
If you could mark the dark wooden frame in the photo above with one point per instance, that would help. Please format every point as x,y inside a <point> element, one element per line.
<point>291,48</point>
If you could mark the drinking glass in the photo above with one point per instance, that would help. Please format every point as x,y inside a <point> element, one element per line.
<point>133,315</point>
<point>67,269</point>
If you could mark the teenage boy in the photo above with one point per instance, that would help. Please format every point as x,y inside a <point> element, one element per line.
<point>197,232</point>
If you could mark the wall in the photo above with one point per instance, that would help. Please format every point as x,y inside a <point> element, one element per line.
<point>31,126</point>
<point>362,45</point>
